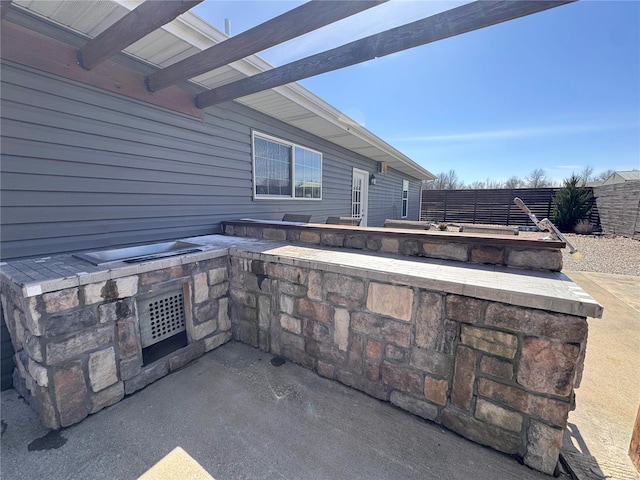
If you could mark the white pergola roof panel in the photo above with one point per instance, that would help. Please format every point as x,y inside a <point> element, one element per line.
<point>218,77</point>
<point>189,34</point>
<point>157,47</point>
<point>90,17</point>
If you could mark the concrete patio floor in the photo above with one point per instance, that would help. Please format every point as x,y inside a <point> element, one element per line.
<point>239,416</point>
<point>599,430</point>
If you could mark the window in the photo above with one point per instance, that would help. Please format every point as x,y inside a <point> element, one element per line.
<point>285,170</point>
<point>405,198</point>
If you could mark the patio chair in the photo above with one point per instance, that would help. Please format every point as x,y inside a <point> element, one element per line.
<point>295,217</point>
<point>344,221</point>
<point>410,224</point>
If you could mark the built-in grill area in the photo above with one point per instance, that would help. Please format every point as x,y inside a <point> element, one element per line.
<point>139,254</point>
<point>90,328</point>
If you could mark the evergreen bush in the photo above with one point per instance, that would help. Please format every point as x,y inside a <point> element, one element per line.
<point>571,204</point>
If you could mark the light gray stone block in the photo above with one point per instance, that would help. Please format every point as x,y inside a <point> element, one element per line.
<point>200,288</point>
<point>216,340</point>
<point>498,416</point>
<point>491,341</point>
<point>411,404</point>
<point>39,373</point>
<point>107,397</point>
<point>204,329</point>
<point>61,300</point>
<point>102,369</point>
<point>62,350</point>
<point>543,447</point>
<point>342,321</point>
<point>218,275</point>
<point>390,300</point>
<point>290,323</point>
<point>224,323</point>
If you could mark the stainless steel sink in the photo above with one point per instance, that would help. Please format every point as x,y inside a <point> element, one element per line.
<point>140,253</point>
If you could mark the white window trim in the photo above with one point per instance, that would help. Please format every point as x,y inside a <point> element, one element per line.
<point>271,138</point>
<point>402,199</point>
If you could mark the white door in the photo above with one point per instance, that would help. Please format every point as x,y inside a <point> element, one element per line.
<point>360,195</point>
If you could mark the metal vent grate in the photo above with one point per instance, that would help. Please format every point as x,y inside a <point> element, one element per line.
<point>161,316</point>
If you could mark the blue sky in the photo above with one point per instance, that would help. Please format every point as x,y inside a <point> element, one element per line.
<point>558,90</point>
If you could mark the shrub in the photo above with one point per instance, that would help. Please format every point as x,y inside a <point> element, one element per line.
<point>571,204</point>
<point>583,227</point>
<point>442,226</point>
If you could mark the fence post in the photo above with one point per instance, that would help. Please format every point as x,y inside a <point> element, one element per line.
<point>475,204</point>
<point>444,214</point>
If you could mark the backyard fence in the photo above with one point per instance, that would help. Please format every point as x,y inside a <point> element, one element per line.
<point>620,207</point>
<point>492,206</point>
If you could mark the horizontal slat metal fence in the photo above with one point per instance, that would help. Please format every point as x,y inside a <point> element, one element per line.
<point>492,206</point>
<point>620,207</point>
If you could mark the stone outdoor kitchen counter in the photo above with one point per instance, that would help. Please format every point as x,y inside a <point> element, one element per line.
<point>35,276</point>
<point>490,351</point>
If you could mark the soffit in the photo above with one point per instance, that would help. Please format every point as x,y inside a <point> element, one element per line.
<point>189,34</point>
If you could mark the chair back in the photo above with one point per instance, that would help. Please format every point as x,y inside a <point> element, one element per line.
<point>295,217</point>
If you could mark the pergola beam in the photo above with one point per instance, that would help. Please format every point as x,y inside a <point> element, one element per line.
<point>463,19</point>
<point>303,19</point>
<point>136,24</point>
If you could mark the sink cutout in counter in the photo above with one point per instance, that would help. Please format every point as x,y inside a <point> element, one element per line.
<point>139,253</point>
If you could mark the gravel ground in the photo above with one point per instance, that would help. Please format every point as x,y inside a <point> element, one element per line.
<point>602,254</point>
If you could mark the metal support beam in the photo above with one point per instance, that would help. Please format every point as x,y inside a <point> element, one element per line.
<point>303,19</point>
<point>463,19</point>
<point>136,24</point>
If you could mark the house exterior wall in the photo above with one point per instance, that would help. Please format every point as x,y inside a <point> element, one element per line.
<point>86,169</point>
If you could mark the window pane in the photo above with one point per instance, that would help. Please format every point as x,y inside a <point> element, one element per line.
<point>405,198</point>
<point>272,167</point>
<point>285,170</point>
<point>308,173</point>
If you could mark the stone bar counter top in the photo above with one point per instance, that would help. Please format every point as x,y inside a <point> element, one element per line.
<point>479,248</point>
<point>546,290</point>
<point>553,291</point>
<point>35,276</point>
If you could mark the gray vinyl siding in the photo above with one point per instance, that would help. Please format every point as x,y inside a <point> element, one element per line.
<point>86,169</point>
<point>385,198</point>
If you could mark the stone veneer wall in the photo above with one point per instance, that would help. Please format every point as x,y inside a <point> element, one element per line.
<point>78,349</point>
<point>507,251</point>
<point>498,374</point>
